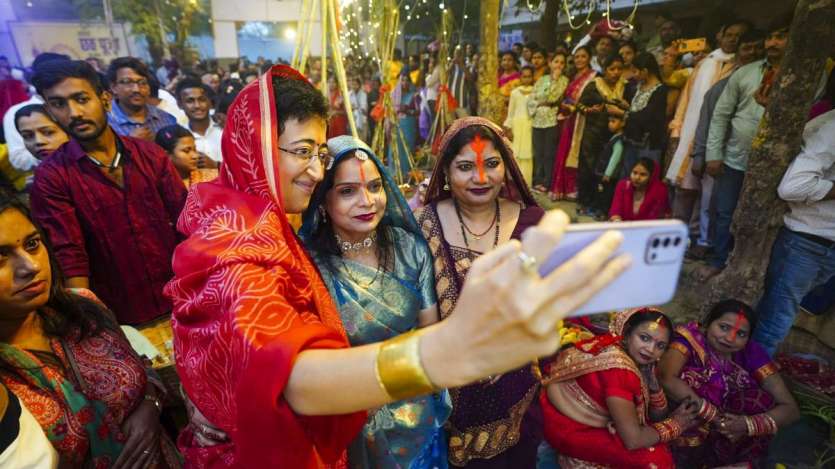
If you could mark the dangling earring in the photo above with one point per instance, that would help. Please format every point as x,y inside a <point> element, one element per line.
<point>323,213</point>
<point>446,184</point>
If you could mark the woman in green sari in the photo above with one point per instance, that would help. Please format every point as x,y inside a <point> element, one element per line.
<point>378,268</point>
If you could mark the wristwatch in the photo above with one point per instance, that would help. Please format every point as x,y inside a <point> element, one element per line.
<point>155,400</point>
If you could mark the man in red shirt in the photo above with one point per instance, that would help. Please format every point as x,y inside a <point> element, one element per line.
<point>108,203</point>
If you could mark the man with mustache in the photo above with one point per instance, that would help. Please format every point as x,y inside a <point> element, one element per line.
<point>732,129</point>
<point>108,202</point>
<point>131,114</point>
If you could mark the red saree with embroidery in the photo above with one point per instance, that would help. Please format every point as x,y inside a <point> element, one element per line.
<point>577,420</point>
<point>247,300</point>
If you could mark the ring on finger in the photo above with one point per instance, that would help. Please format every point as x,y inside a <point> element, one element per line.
<point>529,263</point>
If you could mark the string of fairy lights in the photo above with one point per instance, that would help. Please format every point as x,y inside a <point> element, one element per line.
<point>591,8</point>
<point>358,37</point>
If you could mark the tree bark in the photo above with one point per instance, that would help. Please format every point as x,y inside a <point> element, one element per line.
<point>548,25</point>
<point>489,100</point>
<point>759,214</point>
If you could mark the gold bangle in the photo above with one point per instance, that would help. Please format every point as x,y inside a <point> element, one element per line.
<point>399,369</point>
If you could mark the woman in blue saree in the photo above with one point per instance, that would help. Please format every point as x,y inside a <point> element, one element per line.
<point>377,266</point>
<point>405,101</point>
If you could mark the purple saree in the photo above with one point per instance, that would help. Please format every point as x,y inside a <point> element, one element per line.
<point>733,386</point>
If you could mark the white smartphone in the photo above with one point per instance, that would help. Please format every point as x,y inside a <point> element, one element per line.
<point>657,249</point>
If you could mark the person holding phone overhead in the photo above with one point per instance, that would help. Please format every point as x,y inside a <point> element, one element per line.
<point>477,199</point>
<point>742,398</point>
<point>261,349</point>
<point>602,403</point>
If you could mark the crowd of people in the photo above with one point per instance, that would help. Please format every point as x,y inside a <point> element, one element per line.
<point>229,208</point>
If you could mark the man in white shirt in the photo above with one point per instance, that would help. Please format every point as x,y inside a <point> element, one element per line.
<point>803,256</point>
<point>194,98</point>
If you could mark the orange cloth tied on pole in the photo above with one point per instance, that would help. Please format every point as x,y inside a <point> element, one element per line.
<point>452,103</point>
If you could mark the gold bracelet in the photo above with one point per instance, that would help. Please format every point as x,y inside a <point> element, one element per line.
<point>399,369</point>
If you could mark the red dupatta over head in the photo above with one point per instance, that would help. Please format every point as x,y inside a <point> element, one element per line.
<point>247,300</point>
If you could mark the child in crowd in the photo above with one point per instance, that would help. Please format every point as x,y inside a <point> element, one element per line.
<point>607,170</point>
<point>518,125</point>
<point>641,196</point>
<point>178,142</point>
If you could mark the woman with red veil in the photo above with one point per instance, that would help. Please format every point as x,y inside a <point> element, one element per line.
<point>261,350</point>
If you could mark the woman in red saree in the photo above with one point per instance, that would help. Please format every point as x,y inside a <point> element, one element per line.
<point>255,328</point>
<point>338,124</point>
<point>642,196</point>
<point>564,180</point>
<point>602,398</point>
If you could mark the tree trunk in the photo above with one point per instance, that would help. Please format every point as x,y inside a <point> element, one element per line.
<point>759,215</point>
<point>548,25</point>
<point>489,100</point>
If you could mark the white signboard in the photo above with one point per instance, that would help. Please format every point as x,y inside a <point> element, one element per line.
<point>78,40</point>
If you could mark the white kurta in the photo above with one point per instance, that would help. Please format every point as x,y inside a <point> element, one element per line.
<point>706,74</point>
<point>519,121</point>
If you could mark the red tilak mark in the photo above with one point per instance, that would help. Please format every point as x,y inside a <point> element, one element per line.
<point>737,324</point>
<point>478,145</point>
<point>362,172</point>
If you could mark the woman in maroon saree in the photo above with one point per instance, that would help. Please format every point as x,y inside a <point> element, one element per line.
<point>744,399</point>
<point>475,200</point>
<point>564,180</point>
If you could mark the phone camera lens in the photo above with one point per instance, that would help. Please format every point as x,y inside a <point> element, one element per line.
<point>653,256</point>
<point>666,242</point>
<point>656,242</point>
<point>677,242</point>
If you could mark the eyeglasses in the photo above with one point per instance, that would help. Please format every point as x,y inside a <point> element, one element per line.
<point>142,83</point>
<point>318,154</point>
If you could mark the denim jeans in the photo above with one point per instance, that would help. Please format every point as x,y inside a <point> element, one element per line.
<point>725,197</point>
<point>797,266</point>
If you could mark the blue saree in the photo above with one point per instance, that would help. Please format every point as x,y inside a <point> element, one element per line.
<point>378,305</point>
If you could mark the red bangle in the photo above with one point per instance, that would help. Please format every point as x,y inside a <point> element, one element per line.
<point>760,424</point>
<point>668,430</point>
<point>658,400</point>
<point>708,412</point>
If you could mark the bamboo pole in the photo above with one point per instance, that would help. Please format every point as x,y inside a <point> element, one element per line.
<point>300,25</point>
<point>323,84</point>
<point>308,36</point>
<point>339,67</point>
